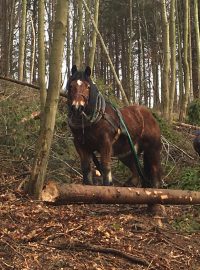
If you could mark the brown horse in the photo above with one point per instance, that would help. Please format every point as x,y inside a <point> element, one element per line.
<point>97,126</point>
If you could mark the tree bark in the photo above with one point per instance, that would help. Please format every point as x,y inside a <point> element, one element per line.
<point>70,193</point>
<point>185,63</point>
<point>166,67</point>
<point>173,59</point>
<point>22,41</point>
<point>94,36</point>
<point>43,145</point>
<point>196,25</point>
<point>79,35</point>
<point>32,60</point>
<point>130,53</point>
<point>180,62</point>
<point>41,52</point>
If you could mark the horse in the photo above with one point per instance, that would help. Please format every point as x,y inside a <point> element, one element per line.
<point>196,142</point>
<point>97,126</point>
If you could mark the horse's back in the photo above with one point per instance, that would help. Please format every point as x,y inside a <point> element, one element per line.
<point>141,122</point>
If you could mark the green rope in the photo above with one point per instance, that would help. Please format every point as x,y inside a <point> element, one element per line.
<point>137,162</point>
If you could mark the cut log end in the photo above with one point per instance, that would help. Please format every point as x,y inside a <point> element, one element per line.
<point>50,192</point>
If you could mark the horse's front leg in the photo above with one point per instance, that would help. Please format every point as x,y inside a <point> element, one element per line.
<point>105,153</point>
<point>86,164</point>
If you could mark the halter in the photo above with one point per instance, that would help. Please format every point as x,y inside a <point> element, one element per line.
<point>95,105</point>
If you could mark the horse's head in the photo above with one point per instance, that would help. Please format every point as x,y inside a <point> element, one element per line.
<point>78,87</point>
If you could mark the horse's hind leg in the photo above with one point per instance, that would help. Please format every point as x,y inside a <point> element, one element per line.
<point>134,180</point>
<point>152,169</point>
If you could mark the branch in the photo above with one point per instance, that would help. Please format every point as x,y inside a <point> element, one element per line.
<point>27,84</point>
<point>94,248</point>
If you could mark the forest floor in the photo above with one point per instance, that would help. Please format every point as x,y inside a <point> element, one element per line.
<point>35,235</point>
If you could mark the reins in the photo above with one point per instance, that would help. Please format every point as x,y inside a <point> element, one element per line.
<point>137,161</point>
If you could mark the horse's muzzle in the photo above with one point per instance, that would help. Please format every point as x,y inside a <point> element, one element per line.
<point>77,109</point>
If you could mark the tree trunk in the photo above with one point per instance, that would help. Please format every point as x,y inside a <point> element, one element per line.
<point>79,35</point>
<point>94,36</point>
<point>185,63</point>
<point>32,60</point>
<point>10,39</point>
<point>180,62</point>
<point>165,71</point>
<point>43,145</point>
<point>22,41</point>
<point>41,52</point>
<point>196,25</point>
<point>130,53</point>
<point>71,193</point>
<point>173,59</point>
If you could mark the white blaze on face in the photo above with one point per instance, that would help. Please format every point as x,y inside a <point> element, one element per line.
<point>79,82</point>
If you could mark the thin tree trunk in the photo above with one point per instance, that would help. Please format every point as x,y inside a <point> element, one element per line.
<point>165,70</point>
<point>196,25</point>
<point>43,145</point>
<point>22,41</point>
<point>79,35</point>
<point>140,59</point>
<point>130,68</point>
<point>68,47</point>
<point>107,54</point>
<point>190,53</point>
<point>41,52</point>
<point>180,67</point>
<point>94,36</point>
<point>10,38</point>
<point>185,63</point>
<point>173,58</point>
<point>32,62</point>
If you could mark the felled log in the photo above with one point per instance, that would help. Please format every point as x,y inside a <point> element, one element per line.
<point>59,193</point>
<point>185,125</point>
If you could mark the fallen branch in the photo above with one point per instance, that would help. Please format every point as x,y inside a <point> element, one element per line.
<point>186,125</point>
<point>94,248</point>
<point>26,84</point>
<point>164,140</point>
<point>61,193</point>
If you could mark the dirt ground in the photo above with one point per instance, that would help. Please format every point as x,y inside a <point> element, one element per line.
<point>34,235</point>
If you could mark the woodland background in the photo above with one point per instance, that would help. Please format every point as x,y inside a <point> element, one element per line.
<point>154,48</point>
<point>153,45</point>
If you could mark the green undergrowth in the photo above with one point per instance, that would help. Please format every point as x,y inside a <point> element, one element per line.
<point>188,222</point>
<point>19,133</point>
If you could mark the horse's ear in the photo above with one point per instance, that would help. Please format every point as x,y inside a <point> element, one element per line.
<point>88,71</point>
<point>74,69</point>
